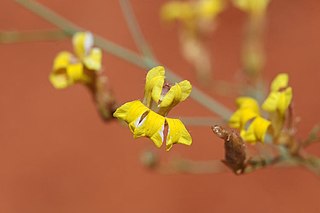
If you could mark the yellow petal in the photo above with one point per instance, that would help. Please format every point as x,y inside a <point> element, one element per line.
<point>151,126</point>
<point>154,84</point>
<point>177,133</point>
<point>93,60</point>
<point>82,43</point>
<point>271,103</point>
<point>285,100</point>
<point>240,118</point>
<point>62,60</point>
<point>234,120</point>
<point>177,93</point>
<point>64,72</point>
<point>256,131</point>
<point>280,82</point>
<point>131,113</point>
<point>210,8</point>
<point>176,10</point>
<point>252,6</point>
<point>247,102</point>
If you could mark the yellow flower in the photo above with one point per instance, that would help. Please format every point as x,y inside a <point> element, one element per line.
<point>69,69</point>
<point>256,130</point>
<point>247,109</point>
<point>280,96</point>
<point>191,11</point>
<point>148,119</point>
<point>254,7</point>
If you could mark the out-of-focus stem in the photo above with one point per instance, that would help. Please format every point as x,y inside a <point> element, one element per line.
<point>253,52</point>
<point>192,167</point>
<point>201,121</point>
<point>112,48</point>
<point>37,35</point>
<point>135,29</point>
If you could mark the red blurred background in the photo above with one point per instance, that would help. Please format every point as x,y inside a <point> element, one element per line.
<point>56,155</point>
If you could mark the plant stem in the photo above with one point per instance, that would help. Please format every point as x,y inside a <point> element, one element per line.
<point>37,35</point>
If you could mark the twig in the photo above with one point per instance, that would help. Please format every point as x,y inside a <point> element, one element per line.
<point>37,35</point>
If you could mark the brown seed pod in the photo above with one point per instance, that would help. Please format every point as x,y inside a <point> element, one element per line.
<point>235,149</point>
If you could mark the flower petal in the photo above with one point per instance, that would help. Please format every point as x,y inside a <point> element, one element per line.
<point>177,93</point>
<point>152,127</point>
<point>65,73</point>
<point>82,43</point>
<point>154,83</point>
<point>209,8</point>
<point>247,102</point>
<point>271,103</point>
<point>176,10</point>
<point>285,100</point>
<point>93,60</point>
<point>240,118</point>
<point>131,113</point>
<point>256,131</point>
<point>177,133</point>
<point>280,81</point>
<point>248,109</point>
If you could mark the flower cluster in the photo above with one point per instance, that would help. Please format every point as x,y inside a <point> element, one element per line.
<point>192,13</point>
<point>148,118</point>
<point>69,69</point>
<point>84,67</point>
<point>248,119</point>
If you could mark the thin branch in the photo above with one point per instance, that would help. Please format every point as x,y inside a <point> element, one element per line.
<point>201,121</point>
<point>114,49</point>
<point>37,35</point>
<point>135,29</point>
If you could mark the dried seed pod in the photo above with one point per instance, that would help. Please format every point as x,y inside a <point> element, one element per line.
<point>235,149</point>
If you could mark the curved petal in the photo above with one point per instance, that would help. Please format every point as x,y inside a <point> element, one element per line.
<point>177,133</point>
<point>177,93</point>
<point>154,83</point>
<point>271,103</point>
<point>256,131</point>
<point>209,8</point>
<point>176,10</point>
<point>247,102</point>
<point>131,113</point>
<point>65,73</point>
<point>82,43</point>
<point>279,82</point>
<point>152,127</point>
<point>93,60</point>
<point>240,118</point>
<point>62,60</point>
<point>285,100</point>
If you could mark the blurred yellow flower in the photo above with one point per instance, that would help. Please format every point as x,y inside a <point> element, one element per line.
<point>256,130</point>
<point>280,96</point>
<point>69,69</point>
<point>254,7</point>
<point>247,119</point>
<point>192,11</point>
<point>248,109</point>
<point>148,119</point>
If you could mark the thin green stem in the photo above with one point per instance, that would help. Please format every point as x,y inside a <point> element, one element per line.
<point>115,49</point>
<point>36,35</point>
<point>135,29</point>
<point>201,121</point>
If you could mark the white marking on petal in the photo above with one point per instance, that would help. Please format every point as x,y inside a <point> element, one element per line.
<point>88,42</point>
<point>161,133</point>
<point>137,123</point>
